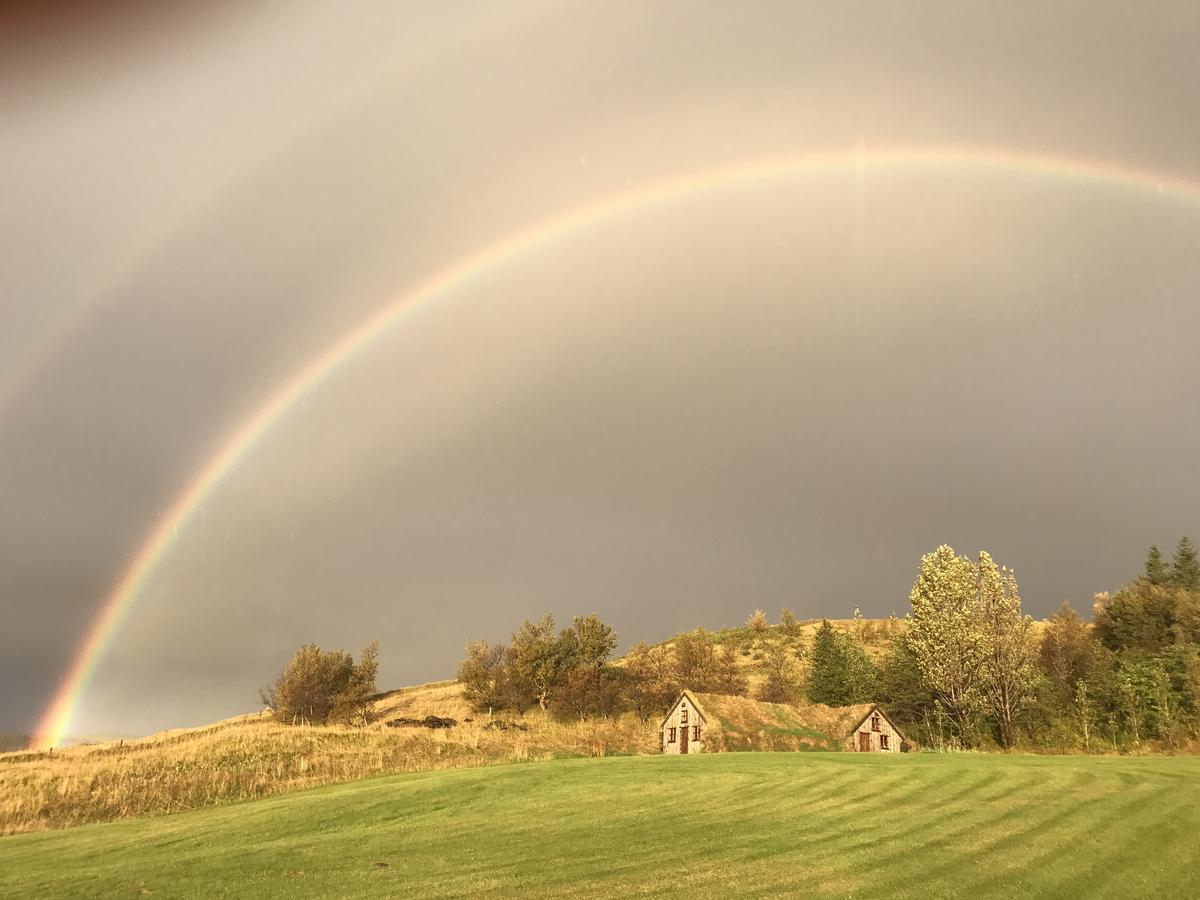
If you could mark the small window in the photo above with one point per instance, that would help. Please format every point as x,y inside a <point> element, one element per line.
<point>671,735</point>
<point>883,743</point>
<point>695,732</point>
<point>683,715</point>
<point>874,723</point>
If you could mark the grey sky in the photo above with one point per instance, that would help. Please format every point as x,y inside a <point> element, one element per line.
<point>768,395</point>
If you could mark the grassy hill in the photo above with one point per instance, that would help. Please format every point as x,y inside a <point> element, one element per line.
<point>9,742</point>
<point>254,756</point>
<point>751,824</point>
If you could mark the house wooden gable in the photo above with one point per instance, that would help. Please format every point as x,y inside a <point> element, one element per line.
<point>685,727</point>
<point>876,733</point>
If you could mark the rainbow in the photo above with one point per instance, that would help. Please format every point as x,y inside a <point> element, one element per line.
<point>116,606</point>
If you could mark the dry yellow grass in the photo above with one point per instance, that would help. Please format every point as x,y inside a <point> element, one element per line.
<point>252,756</point>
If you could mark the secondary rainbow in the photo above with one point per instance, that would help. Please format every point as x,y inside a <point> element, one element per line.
<point>56,721</point>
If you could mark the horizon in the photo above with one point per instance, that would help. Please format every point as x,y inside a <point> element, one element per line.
<point>413,326</point>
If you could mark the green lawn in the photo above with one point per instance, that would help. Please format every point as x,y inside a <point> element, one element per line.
<point>754,824</point>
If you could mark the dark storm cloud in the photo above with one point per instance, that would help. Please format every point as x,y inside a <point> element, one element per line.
<point>773,396</point>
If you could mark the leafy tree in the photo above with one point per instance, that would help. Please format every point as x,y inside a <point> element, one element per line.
<point>901,688</point>
<point>1156,569</point>
<point>651,685</point>
<point>319,686</point>
<point>484,675</point>
<point>1008,664</point>
<point>587,643</point>
<point>353,704</point>
<point>584,691</point>
<point>946,637</point>
<point>1185,568</point>
<point>1140,616</point>
<point>781,685</point>
<point>700,665</point>
<point>788,624</point>
<point>537,659</point>
<point>1067,650</point>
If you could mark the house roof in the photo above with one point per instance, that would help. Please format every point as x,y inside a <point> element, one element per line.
<point>695,703</point>
<point>755,724</point>
<point>872,708</point>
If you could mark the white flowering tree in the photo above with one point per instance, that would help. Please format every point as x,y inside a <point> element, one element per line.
<point>972,644</point>
<point>946,637</point>
<point>1009,669</point>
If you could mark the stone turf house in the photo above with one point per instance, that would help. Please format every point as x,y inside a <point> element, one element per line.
<point>697,723</point>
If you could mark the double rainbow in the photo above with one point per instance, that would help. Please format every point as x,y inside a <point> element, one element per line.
<point>57,718</point>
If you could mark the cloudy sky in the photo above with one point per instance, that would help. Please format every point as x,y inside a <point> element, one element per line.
<point>762,392</point>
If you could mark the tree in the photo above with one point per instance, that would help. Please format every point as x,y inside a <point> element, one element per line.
<point>1185,568</point>
<point>353,704</point>
<point>586,684</point>
<point>1008,662</point>
<point>320,686</point>
<point>945,636</point>
<point>483,675</point>
<point>758,622</point>
<point>700,665</point>
<point>537,659</point>
<point>1067,650</point>
<point>901,688</point>
<point>651,685</point>
<point>1140,616</point>
<point>1084,705</point>
<point>788,624</point>
<point>840,673</point>
<point>588,642</point>
<point>1156,569</point>
<point>781,684</point>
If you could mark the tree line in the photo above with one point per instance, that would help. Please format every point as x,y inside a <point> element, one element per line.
<point>571,672</point>
<point>965,667</point>
<point>970,668</point>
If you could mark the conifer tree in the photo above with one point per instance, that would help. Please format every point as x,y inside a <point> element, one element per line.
<point>1185,568</point>
<point>1156,569</point>
<point>827,668</point>
<point>840,673</point>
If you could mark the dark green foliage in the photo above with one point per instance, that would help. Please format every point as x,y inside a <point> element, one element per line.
<point>1140,616</point>
<point>839,671</point>
<point>1156,569</point>
<point>1185,568</point>
<point>902,692</point>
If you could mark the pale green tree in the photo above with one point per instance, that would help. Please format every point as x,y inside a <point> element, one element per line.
<point>536,657</point>
<point>946,637</point>
<point>1009,668</point>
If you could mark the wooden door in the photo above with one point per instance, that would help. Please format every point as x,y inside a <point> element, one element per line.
<point>864,742</point>
<point>683,739</point>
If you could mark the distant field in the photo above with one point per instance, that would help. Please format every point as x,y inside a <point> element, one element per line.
<point>755,823</point>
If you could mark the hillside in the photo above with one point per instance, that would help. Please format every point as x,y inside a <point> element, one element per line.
<point>799,824</point>
<point>10,742</point>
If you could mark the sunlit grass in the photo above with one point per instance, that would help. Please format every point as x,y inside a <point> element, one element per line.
<point>252,757</point>
<point>925,825</point>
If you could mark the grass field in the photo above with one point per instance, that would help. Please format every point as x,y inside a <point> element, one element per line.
<point>755,824</point>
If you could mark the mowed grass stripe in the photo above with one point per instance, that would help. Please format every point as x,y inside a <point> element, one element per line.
<point>758,824</point>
